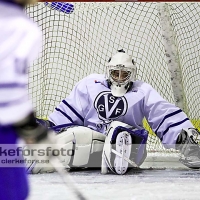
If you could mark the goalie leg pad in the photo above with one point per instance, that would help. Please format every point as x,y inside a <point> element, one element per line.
<point>78,145</point>
<point>82,142</point>
<point>124,146</point>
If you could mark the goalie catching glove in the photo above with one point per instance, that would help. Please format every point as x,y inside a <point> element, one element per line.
<point>188,144</point>
<point>124,148</point>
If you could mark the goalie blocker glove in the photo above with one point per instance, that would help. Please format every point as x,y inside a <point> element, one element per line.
<point>188,144</point>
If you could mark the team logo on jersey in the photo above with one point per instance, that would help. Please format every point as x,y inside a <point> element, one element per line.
<point>109,107</point>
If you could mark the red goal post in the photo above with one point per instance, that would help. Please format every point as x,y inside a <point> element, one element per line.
<point>125,1</point>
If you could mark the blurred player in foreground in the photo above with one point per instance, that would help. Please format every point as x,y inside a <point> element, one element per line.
<point>112,108</point>
<point>20,40</point>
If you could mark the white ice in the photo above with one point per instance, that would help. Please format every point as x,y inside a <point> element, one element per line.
<point>146,184</point>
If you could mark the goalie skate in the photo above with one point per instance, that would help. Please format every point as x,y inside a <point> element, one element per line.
<point>123,147</point>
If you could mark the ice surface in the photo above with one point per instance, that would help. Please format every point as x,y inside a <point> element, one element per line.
<point>146,184</point>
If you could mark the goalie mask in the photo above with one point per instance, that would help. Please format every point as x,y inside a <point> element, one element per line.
<point>120,72</point>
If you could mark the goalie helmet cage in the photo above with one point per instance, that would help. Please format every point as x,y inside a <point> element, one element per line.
<point>78,39</point>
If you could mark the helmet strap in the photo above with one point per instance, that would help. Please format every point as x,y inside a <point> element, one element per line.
<point>129,86</point>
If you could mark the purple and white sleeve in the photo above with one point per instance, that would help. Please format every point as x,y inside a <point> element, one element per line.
<point>165,119</point>
<point>73,108</point>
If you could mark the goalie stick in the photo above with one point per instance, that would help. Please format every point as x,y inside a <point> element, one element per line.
<point>125,158</point>
<point>55,161</point>
<point>66,177</point>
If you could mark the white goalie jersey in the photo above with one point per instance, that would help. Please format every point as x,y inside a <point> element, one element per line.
<point>91,104</point>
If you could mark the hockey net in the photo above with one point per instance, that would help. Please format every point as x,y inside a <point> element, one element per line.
<point>78,44</point>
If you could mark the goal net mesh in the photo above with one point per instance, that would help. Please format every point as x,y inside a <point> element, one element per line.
<point>80,43</point>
